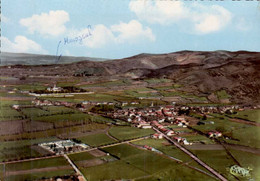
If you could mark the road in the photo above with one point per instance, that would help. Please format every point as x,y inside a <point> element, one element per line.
<point>89,149</point>
<point>75,167</point>
<point>219,176</point>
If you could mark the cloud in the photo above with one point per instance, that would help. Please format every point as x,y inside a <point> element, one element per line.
<point>21,44</point>
<point>195,17</point>
<point>51,23</point>
<point>209,19</point>
<point>132,31</point>
<point>243,25</point>
<point>101,35</point>
<point>4,19</point>
<point>162,12</point>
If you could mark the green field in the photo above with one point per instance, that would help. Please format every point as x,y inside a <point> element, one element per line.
<point>246,160</point>
<point>145,160</point>
<point>168,150</point>
<point>222,94</point>
<point>112,171</point>
<point>109,84</point>
<point>199,138</point>
<point>58,109</point>
<point>34,112</point>
<point>157,166</point>
<point>250,137</point>
<point>10,150</point>
<point>14,144</point>
<point>54,132</point>
<point>217,159</point>
<point>40,175</point>
<point>251,115</point>
<point>96,139</point>
<point>43,163</point>
<point>80,156</point>
<point>156,81</point>
<point>126,133</point>
<point>19,152</point>
<point>9,114</point>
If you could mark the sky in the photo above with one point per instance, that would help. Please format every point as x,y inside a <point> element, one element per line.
<point>116,29</point>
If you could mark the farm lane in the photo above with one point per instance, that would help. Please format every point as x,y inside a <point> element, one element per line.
<point>87,150</point>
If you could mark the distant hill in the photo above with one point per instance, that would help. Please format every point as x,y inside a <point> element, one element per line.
<point>35,59</point>
<point>198,71</point>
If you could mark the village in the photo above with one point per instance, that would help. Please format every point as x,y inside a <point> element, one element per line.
<point>169,130</point>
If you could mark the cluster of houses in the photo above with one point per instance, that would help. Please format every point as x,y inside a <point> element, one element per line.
<point>182,140</point>
<point>44,102</point>
<point>54,89</point>
<point>214,134</point>
<point>94,103</point>
<point>154,117</point>
<point>145,117</point>
<point>63,146</point>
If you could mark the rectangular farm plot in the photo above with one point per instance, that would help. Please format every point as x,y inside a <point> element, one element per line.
<point>64,117</point>
<point>97,139</point>
<point>248,160</point>
<point>164,147</point>
<point>18,153</point>
<point>217,159</point>
<point>126,133</point>
<point>34,112</point>
<point>35,164</point>
<point>38,174</point>
<point>144,160</point>
<point>122,151</point>
<point>80,156</point>
<point>9,114</point>
<point>112,171</point>
<point>58,110</point>
<point>251,115</point>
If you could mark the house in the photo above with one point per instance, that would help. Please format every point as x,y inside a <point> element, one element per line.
<point>144,125</point>
<point>169,133</point>
<point>214,134</point>
<point>182,140</point>
<point>157,136</point>
<point>15,106</point>
<point>161,120</point>
<point>54,89</point>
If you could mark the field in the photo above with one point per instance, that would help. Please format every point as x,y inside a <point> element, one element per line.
<point>81,156</point>
<point>128,160</point>
<point>126,133</point>
<point>40,175</point>
<point>37,169</point>
<point>96,139</point>
<point>217,159</point>
<point>43,163</point>
<point>250,137</point>
<point>9,114</point>
<point>156,166</point>
<point>248,160</point>
<point>66,131</point>
<point>34,112</point>
<point>251,115</point>
<point>163,146</point>
<point>11,150</point>
<point>110,171</point>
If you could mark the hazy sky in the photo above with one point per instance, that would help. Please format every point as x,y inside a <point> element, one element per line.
<point>116,29</point>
